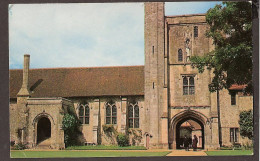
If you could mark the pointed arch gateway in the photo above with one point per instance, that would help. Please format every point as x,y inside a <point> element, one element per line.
<point>189,123</point>
<point>43,129</point>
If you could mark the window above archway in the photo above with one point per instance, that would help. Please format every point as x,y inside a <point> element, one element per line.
<point>188,85</point>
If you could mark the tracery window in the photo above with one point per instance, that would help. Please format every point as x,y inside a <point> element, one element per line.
<point>84,114</point>
<point>180,55</point>
<point>188,85</point>
<point>111,114</point>
<point>133,116</point>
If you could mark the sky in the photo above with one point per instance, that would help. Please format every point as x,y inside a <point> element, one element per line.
<point>83,34</point>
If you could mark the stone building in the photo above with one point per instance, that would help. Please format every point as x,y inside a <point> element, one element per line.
<point>157,103</point>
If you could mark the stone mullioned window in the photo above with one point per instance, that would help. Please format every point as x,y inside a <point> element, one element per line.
<point>233,135</point>
<point>188,85</point>
<point>84,114</point>
<point>133,116</point>
<point>111,114</point>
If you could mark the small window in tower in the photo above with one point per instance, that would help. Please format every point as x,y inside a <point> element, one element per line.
<point>196,31</point>
<point>233,98</point>
<point>180,56</point>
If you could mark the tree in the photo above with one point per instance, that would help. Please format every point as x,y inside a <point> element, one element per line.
<point>246,124</point>
<point>231,60</point>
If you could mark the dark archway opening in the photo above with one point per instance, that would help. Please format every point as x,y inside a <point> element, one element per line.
<point>189,126</point>
<point>43,129</point>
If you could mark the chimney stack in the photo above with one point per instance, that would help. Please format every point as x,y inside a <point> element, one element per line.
<point>24,91</point>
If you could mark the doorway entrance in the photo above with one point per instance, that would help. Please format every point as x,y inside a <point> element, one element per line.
<point>189,127</point>
<point>43,129</point>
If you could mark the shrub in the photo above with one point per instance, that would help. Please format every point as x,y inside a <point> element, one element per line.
<point>70,126</point>
<point>246,124</point>
<point>19,146</point>
<point>122,139</point>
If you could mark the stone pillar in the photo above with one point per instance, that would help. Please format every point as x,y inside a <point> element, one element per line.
<point>95,120</point>
<point>123,115</point>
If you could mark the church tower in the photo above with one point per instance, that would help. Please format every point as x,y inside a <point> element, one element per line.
<point>155,89</point>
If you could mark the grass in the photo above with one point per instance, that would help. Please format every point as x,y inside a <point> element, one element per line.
<point>102,147</point>
<point>77,154</point>
<point>229,152</point>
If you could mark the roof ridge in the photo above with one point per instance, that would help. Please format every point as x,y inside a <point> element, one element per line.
<point>187,15</point>
<point>84,67</point>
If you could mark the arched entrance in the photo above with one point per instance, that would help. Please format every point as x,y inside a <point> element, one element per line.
<point>43,129</point>
<point>188,122</point>
<point>189,127</point>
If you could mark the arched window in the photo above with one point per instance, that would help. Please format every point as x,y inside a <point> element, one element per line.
<point>133,116</point>
<point>180,56</point>
<point>111,114</point>
<point>188,85</point>
<point>84,114</point>
<point>196,31</point>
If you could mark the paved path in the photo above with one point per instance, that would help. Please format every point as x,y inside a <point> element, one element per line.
<point>187,153</point>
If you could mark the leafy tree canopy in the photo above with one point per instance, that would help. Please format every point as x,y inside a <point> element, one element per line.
<point>246,124</point>
<point>231,60</point>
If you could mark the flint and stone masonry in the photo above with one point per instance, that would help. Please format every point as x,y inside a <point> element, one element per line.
<point>158,103</point>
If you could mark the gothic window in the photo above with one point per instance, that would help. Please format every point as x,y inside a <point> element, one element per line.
<point>180,56</point>
<point>111,114</point>
<point>133,116</point>
<point>196,31</point>
<point>84,114</point>
<point>188,85</point>
<point>233,98</point>
<point>233,135</point>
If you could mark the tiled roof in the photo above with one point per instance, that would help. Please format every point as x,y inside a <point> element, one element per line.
<point>237,87</point>
<point>81,82</point>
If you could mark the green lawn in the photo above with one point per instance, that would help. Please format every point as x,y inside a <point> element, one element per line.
<point>103,147</point>
<point>67,154</point>
<point>230,152</point>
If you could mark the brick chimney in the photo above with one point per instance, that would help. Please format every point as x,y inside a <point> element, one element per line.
<point>24,91</point>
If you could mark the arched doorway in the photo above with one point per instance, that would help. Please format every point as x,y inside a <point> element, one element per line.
<point>43,129</point>
<point>189,127</point>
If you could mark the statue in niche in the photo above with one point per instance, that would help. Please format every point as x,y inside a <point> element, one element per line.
<point>187,49</point>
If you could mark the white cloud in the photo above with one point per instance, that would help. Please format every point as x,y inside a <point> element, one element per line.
<point>81,35</point>
<point>59,35</point>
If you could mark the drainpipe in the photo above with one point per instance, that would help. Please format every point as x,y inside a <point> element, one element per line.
<point>219,122</point>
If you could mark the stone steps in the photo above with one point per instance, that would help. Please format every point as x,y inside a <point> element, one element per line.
<point>45,144</point>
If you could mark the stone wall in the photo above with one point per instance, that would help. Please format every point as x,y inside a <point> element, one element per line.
<point>93,131</point>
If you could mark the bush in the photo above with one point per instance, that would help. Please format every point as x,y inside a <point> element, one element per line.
<point>122,140</point>
<point>19,146</point>
<point>70,126</point>
<point>246,124</point>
